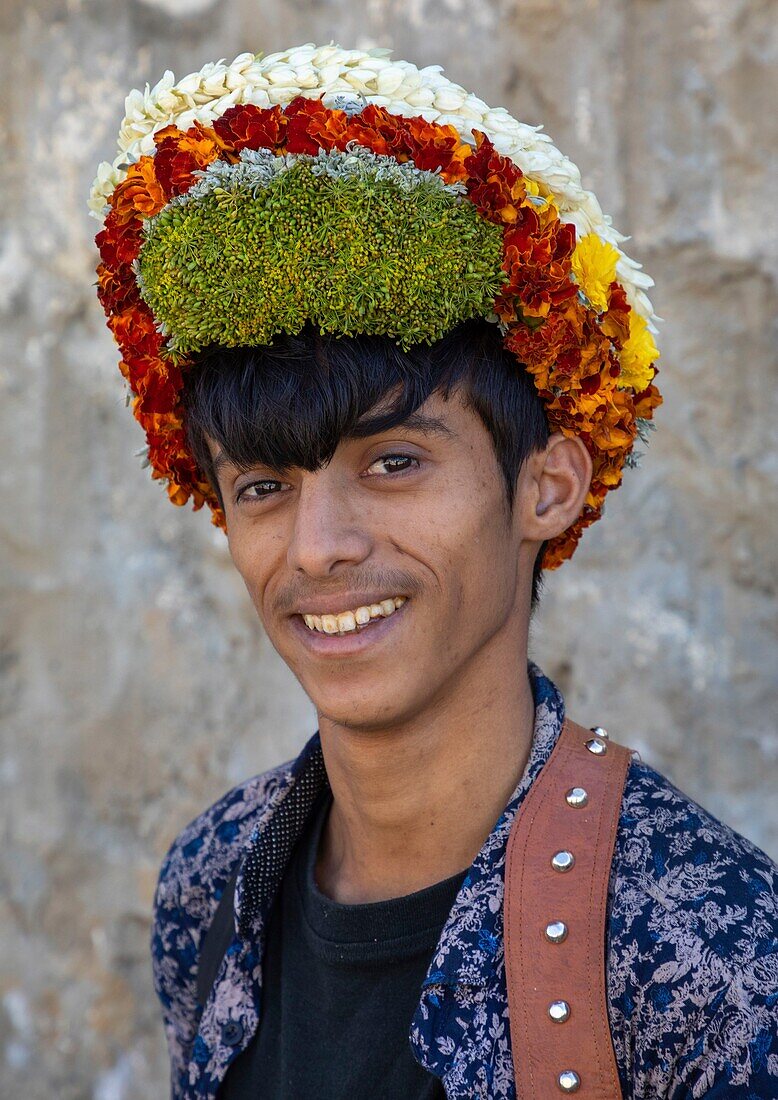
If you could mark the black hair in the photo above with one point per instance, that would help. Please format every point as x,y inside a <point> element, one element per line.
<point>288,404</point>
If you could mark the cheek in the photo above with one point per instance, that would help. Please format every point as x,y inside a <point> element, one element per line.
<point>251,562</point>
<point>483,540</point>
<point>466,540</point>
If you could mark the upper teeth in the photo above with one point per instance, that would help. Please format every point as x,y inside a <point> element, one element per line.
<point>349,620</point>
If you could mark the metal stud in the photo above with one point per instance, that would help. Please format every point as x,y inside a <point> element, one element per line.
<point>599,731</point>
<point>597,746</point>
<point>556,931</point>
<point>576,797</point>
<point>559,1011</point>
<point>563,860</point>
<point>569,1081</point>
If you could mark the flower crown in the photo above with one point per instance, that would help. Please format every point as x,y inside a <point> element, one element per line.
<point>364,195</point>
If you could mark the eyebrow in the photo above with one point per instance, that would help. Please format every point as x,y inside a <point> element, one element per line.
<point>219,461</point>
<point>415,421</point>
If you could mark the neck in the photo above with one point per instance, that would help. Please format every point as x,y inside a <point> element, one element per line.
<point>414,803</point>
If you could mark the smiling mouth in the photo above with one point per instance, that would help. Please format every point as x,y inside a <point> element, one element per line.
<point>346,622</point>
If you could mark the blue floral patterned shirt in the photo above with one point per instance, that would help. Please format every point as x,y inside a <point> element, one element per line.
<point>692,940</point>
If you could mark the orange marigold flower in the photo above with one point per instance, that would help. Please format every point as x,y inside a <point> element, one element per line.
<point>134,331</point>
<point>647,401</point>
<point>595,498</point>
<point>597,358</point>
<point>438,147</point>
<point>614,323</point>
<point>538,347</point>
<point>576,414</point>
<point>535,347</point>
<point>553,352</point>
<point>562,547</point>
<point>608,471</point>
<point>139,192</point>
<point>537,260</point>
<point>177,494</point>
<point>616,431</point>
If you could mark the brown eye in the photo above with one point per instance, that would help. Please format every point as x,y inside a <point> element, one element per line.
<point>393,463</point>
<point>258,490</point>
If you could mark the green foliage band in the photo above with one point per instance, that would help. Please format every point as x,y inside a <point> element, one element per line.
<point>352,241</point>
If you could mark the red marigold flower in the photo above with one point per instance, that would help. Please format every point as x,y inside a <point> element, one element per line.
<point>429,145</point>
<point>384,133</point>
<point>119,242</point>
<point>312,126</point>
<point>180,154</point>
<point>250,127</point>
<point>116,289</point>
<point>155,383</point>
<point>159,388</point>
<point>495,183</point>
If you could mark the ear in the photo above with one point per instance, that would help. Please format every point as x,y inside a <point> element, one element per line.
<point>553,487</point>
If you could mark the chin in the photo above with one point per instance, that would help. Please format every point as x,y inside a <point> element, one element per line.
<point>363,710</point>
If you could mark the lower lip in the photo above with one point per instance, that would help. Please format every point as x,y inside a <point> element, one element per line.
<point>344,645</point>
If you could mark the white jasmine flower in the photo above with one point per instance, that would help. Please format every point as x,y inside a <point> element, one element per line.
<point>389,80</point>
<point>421,97</point>
<point>190,84</point>
<point>282,75</point>
<point>449,99</point>
<point>106,180</point>
<point>258,96</point>
<point>214,86</point>
<point>302,56</point>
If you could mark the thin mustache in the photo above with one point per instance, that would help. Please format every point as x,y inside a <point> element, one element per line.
<point>396,582</point>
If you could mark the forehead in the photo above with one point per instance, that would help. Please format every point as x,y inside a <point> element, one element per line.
<point>439,419</point>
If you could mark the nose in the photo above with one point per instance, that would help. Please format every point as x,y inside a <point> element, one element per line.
<point>327,536</point>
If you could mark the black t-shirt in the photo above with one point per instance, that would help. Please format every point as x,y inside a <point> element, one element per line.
<point>340,987</point>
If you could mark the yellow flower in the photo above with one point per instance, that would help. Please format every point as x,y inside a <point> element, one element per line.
<point>637,355</point>
<point>594,266</point>
<point>538,191</point>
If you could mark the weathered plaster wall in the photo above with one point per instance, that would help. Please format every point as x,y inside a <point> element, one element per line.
<point>137,685</point>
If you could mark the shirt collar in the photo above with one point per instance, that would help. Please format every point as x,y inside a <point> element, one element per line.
<point>472,934</point>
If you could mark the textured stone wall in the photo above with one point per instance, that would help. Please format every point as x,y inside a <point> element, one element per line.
<point>137,684</point>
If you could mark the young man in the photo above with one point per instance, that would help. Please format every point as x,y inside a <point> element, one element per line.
<point>336,927</point>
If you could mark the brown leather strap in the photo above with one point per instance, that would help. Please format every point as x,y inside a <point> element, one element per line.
<point>557,998</point>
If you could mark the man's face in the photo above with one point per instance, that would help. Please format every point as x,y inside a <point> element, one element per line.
<point>408,529</point>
